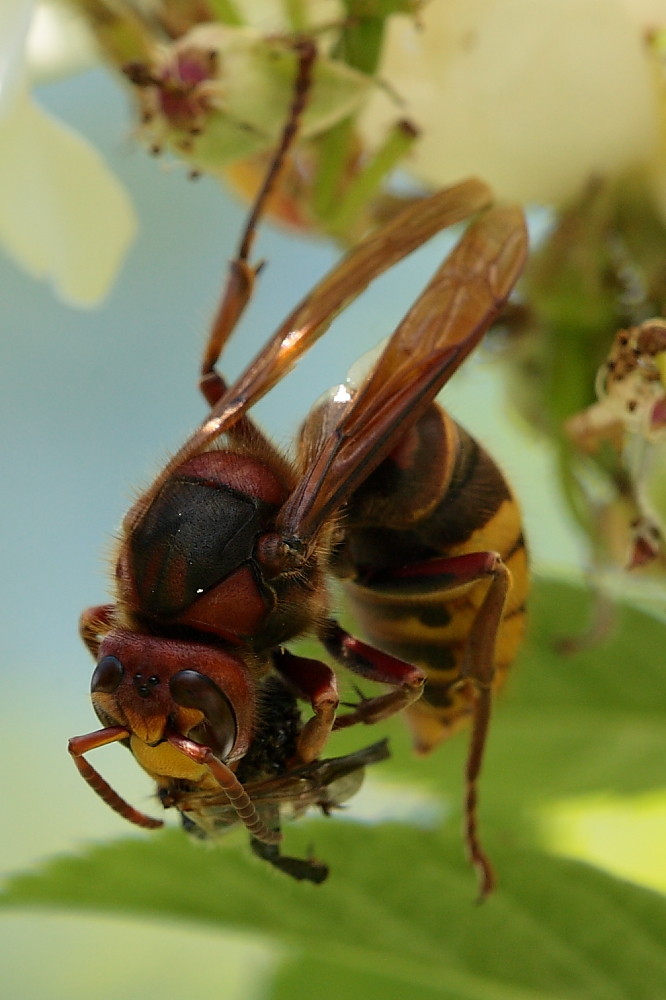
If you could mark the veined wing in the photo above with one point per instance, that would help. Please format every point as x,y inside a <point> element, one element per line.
<point>314,314</point>
<point>446,322</point>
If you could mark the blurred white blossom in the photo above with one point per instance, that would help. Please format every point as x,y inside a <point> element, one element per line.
<point>534,96</point>
<point>63,216</point>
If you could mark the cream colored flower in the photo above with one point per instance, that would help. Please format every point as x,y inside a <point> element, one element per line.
<point>63,216</point>
<point>535,96</point>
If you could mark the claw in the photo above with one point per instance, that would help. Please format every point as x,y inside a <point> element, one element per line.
<point>362,699</point>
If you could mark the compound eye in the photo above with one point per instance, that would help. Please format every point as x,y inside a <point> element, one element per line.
<point>190,689</point>
<point>107,676</point>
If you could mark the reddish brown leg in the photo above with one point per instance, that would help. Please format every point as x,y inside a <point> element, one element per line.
<point>478,666</point>
<point>242,274</point>
<point>366,661</point>
<point>231,786</point>
<point>315,682</point>
<point>78,746</point>
<point>94,623</point>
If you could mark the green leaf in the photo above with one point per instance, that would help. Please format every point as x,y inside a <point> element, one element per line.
<point>396,915</point>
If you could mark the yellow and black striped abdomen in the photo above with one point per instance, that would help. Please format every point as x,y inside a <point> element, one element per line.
<point>424,620</point>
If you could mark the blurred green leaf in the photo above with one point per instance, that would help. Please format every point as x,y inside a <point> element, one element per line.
<point>396,914</point>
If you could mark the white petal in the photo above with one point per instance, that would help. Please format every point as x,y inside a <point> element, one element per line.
<point>270,16</point>
<point>15,17</point>
<point>535,96</point>
<point>58,43</point>
<point>63,216</point>
<point>650,14</point>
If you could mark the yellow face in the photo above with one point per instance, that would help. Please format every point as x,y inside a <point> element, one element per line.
<point>164,760</point>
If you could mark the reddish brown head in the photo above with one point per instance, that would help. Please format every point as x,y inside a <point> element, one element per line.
<point>154,686</point>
